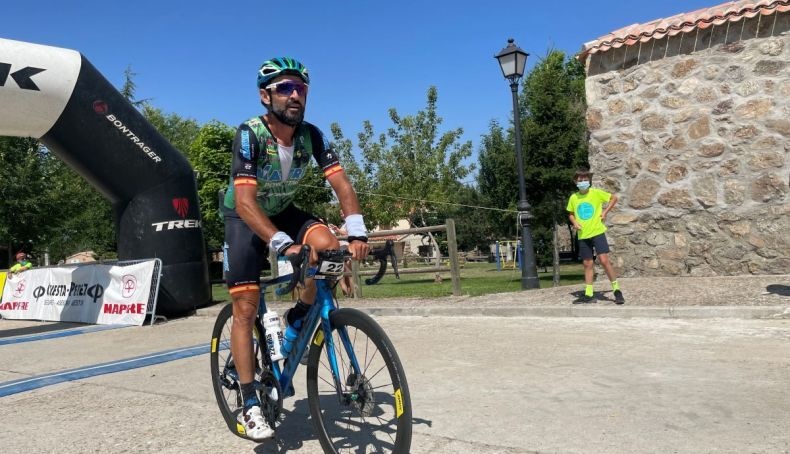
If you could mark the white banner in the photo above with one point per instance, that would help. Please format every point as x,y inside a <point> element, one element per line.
<point>100,294</point>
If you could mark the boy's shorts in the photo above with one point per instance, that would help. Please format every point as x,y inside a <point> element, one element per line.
<point>597,242</point>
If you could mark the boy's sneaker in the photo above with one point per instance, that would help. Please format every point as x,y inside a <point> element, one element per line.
<point>255,426</point>
<point>618,297</point>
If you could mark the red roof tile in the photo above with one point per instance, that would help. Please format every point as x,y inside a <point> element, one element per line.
<point>703,18</point>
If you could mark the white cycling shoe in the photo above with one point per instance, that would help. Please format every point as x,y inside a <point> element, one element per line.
<point>255,426</point>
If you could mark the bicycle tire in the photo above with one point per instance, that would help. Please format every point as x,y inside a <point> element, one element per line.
<point>219,354</point>
<point>374,405</point>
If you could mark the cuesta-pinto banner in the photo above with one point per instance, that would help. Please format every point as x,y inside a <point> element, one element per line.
<point>100,294</point>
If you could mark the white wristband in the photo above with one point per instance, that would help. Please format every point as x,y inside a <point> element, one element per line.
<point>280,240</point>
<point>355,225</point>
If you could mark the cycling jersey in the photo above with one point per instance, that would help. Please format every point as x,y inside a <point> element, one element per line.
<point>256,161</point>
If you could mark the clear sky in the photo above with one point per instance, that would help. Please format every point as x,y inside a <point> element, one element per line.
<point>199,59</point>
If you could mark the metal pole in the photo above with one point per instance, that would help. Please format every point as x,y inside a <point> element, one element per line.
<point>529,270</point>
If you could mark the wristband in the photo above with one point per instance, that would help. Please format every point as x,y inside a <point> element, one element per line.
<point>280,242</point>
<point>355,226</point>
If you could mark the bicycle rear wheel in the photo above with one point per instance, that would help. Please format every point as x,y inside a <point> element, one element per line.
<point>224,378</point>
<point>371,412</point>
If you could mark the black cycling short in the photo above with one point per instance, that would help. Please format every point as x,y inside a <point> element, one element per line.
<point>597,242</point>
<point>245,252</point>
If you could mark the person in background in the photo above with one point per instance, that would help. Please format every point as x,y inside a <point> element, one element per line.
<point>22,263</point>
<point>587,215</point>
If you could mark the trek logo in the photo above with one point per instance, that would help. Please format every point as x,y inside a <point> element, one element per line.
<point>119,309</point>
<point>129,285</point>
<point>14,306</point>
<point>179,224</point>
<point>132,136</point>
<point>181,206</point>
<point>22,77</point>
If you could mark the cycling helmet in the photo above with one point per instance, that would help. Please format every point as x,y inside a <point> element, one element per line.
<point>279,66</point>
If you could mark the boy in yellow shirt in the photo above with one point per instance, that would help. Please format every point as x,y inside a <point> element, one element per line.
<point>586,213</point>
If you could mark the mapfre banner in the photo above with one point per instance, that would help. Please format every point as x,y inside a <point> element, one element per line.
<point>100,294</point>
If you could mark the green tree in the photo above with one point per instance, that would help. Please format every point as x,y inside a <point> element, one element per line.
<point>554,136</point>
<point>211,158</point>
<point>416,163</point>
<point>179,131</point>
<point>129,88</point>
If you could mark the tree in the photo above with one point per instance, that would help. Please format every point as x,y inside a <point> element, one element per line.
<point>179,131</point>
<point>415,163</point>
<point>129,88</point>
<point>211,154</point>
<point>554,135</point>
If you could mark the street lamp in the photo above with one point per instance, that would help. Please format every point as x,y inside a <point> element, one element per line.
<point>512,61</point>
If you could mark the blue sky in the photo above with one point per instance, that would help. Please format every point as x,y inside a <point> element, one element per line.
<point>198,59</point>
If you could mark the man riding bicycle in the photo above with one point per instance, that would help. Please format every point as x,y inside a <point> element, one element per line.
<point>270,155</point>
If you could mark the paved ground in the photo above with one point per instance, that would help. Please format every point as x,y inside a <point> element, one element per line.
<point>480,384</point>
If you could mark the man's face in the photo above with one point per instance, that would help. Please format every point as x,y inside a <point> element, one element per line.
<point>286,98</point>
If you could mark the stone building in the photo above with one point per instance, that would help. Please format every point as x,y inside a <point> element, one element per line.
<point>689,121</point>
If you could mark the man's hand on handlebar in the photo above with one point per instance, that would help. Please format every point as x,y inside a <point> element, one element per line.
<point>359,249</point>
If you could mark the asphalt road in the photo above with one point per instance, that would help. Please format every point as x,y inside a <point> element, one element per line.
<point>478,384</point>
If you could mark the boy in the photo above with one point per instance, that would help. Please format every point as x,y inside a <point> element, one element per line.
<point>585,213</point>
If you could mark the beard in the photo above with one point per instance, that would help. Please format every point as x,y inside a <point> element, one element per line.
<point>287,116</point>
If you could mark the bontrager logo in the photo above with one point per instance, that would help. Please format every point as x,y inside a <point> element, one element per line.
<point>22,77</point>
<point>133,137</point>
<point>179,224</point>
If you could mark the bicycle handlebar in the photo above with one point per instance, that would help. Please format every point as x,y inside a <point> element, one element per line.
<point>300,264</point>
<point>388,251</point>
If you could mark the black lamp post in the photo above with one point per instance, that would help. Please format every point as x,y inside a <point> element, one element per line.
<point>512,60</point>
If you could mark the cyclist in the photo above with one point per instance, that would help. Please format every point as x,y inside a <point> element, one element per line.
<point>22,263</point>
<point>271,153</point>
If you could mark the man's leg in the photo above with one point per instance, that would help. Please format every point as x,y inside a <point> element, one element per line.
<point>607,266</point>
<point>602,247</point>
<point>245,307</point>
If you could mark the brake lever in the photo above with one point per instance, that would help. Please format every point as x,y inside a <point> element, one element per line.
<point>388,251</point>
<point>299,263</point>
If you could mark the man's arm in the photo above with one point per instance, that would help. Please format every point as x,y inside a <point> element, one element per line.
<point>350,206</point>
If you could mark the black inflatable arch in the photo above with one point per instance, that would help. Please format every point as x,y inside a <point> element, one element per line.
<point>56,96</point>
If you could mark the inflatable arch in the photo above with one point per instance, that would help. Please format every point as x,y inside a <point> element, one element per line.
<point>56,96</point>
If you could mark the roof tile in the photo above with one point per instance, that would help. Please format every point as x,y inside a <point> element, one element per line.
<point>732,11</point>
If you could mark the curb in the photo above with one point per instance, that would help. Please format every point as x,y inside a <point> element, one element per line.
<point>671,312</point>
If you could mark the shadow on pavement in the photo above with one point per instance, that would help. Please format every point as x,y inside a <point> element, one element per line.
<point>778,289</point>
<point>38,329</point>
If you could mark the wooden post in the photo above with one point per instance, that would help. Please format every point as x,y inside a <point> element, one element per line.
<point>355,279</point>
<point>452,248</point>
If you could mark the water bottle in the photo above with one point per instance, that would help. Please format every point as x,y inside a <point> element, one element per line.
<point>274,334</point>
<point>290,338</point>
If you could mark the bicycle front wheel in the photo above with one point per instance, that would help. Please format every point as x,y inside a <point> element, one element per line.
<point>367,408</point>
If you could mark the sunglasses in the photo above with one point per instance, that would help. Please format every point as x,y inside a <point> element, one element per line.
<point>286,87</point>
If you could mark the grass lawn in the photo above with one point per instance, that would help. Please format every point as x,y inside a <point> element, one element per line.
<point>476,279</point>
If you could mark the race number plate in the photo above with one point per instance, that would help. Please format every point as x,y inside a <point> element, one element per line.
<point>330,268</point>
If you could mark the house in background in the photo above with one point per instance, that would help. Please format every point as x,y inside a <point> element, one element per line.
<point>82,257</point>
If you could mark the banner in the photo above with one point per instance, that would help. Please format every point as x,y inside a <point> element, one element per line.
<point>99,294</point>
<point>2,283</point>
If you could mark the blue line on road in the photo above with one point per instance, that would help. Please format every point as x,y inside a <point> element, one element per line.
<point>71,332</point>
<point>27,384</point>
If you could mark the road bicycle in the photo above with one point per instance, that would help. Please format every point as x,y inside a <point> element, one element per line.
<point>356,387</point>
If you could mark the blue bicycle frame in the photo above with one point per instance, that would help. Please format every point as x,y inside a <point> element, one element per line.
<point>318,314</point>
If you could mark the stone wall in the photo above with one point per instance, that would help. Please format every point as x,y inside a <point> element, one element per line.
<point>696,145</point>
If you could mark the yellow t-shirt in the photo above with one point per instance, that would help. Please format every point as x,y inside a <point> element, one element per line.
<point>587,208</point>
<point>21,266</point>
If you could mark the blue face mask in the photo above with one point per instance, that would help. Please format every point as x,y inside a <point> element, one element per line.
<point>582,185</point>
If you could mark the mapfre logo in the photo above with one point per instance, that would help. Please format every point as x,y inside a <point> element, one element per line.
<point>20,288</point>
<point>181,206</point>
<point>128,285</point>
<point>22,77</point>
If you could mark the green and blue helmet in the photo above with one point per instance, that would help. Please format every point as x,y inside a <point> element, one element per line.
<point>271,69</point>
